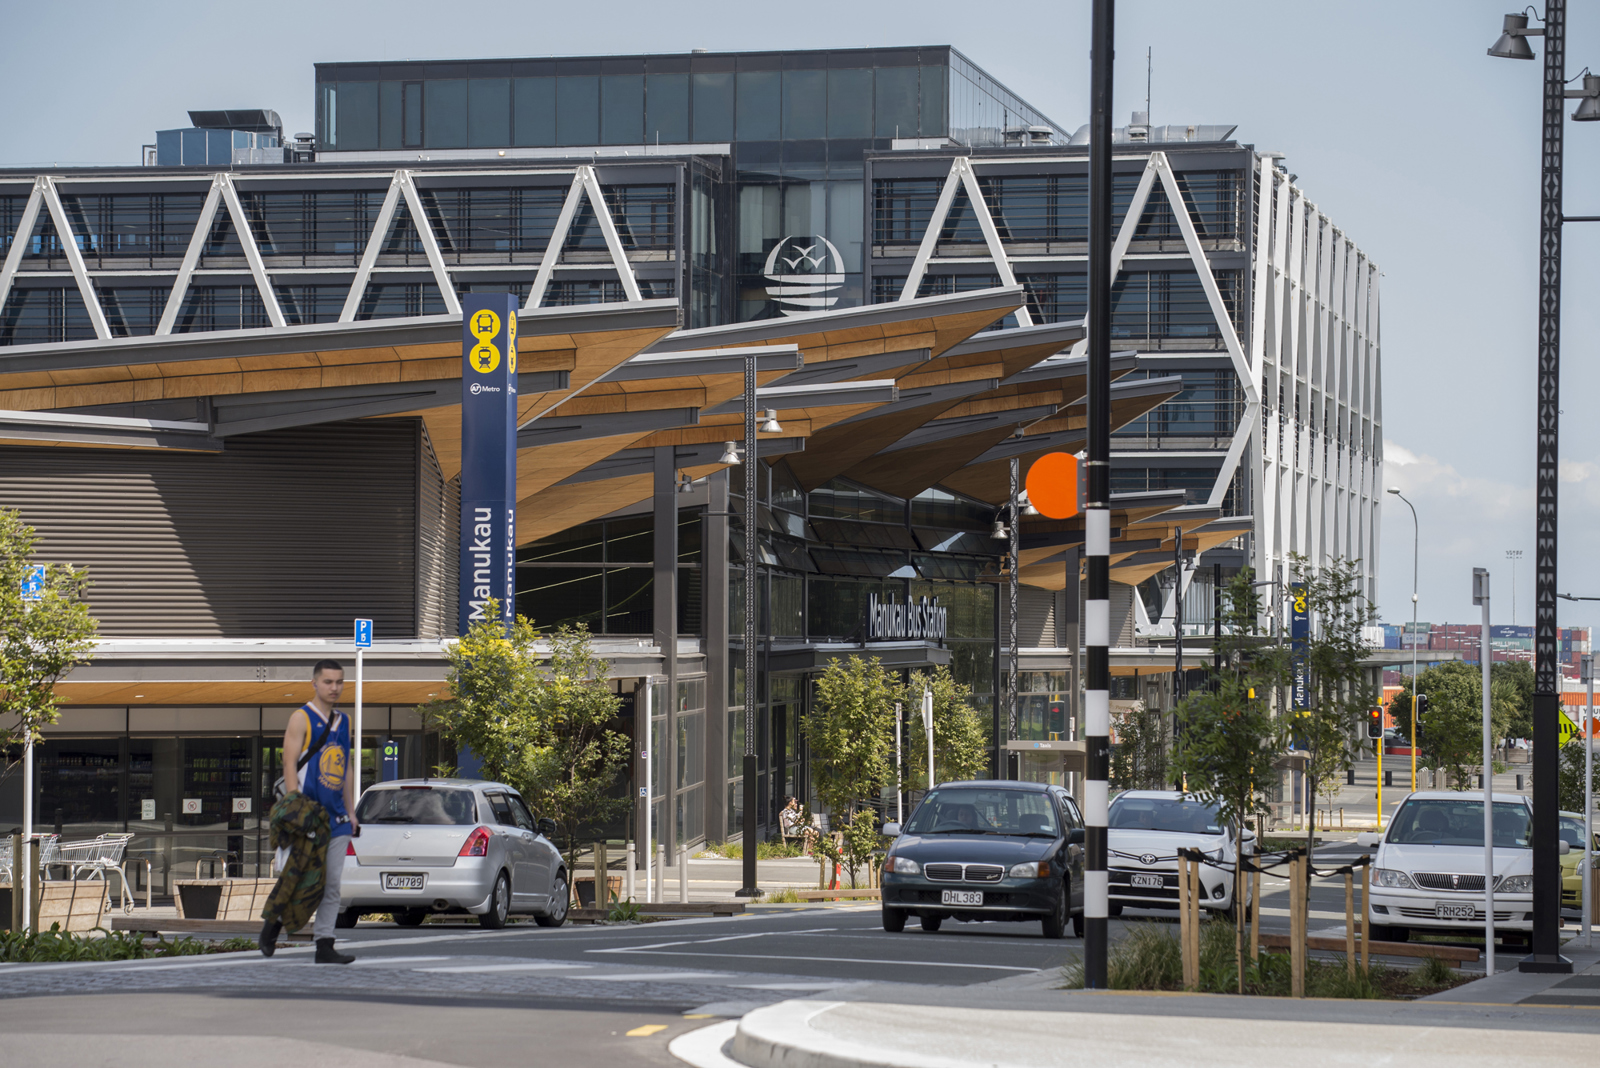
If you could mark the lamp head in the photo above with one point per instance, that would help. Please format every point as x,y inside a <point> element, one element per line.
<point>771,425</point>
<point>1394,489</point>
<point>999,532</point>
<point>685,483</point>
<point>1511,44</point>
<point>730,453</point>
<point>1589,106</point>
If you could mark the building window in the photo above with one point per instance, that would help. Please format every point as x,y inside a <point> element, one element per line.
<point>411,115</point>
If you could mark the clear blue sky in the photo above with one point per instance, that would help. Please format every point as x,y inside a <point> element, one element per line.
<point>1415,142</point>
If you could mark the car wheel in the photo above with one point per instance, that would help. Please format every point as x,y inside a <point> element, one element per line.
<point>931,922</point>
<point>410,917</point>
<point>1078,923</point>
<point>1055,924</point>
<point>560,898</point>
<point>499,904</point>
<point>894,920</point>
<point>346,919</point>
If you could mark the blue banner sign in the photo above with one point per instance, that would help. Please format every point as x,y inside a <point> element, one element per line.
<point>33,583</point>
<point>363,634</point>
<point>488,456</point>
<point>391,761</point>
<point>1299,635</point>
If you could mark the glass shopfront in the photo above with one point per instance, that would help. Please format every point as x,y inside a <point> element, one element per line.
<point>197,802</point>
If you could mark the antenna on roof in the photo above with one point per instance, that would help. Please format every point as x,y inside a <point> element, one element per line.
<point>1148,67</point>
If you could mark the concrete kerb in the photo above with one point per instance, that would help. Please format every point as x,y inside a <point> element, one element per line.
<point>845,1034</point>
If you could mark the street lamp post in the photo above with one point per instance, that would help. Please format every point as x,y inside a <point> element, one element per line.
<point>1416,543</point>
<point>1513,555</point>
<point>1513,44</point>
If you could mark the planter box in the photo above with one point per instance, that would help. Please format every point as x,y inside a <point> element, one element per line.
<point>584,889</point>
<point>222,899</point>
<point>78,905</point>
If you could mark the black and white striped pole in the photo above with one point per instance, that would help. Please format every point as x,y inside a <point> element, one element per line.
<point>1097,514</point>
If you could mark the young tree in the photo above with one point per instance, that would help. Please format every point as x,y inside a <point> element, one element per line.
<point>1511,682</point>
<point>851,735</point>
<point>541,725</point>
<point>1569,790</point>
<point>41,641</point>
<point>1450,735</point>
<point>1339,693</point>
<point>960,735</point>
<point>1231,737</point>
<point>1139,757</point>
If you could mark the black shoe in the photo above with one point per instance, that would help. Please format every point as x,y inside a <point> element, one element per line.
<point>269,937</point>
<point>326,954</point>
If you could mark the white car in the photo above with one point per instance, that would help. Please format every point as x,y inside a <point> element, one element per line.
<point>1428,871</point>
<point>1147,828</point>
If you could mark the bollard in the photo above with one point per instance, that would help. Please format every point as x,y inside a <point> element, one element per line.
<point>683,876</point>
<point>1519,782</point>
<point>660,885</point>
<point>1349,776</point>
<point>1388,778</point>
<point>822,872</point>
<point>600,894</point>
<point>627,873</point>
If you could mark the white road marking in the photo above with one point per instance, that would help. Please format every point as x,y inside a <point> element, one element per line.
<point>658,977</point>
<point>707,941</point>
<point>395,960</point>
<point>804,986</point>
<point>843,960</point>
<point>541,966</point>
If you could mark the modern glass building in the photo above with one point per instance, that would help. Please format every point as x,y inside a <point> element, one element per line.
<point>894,237</point>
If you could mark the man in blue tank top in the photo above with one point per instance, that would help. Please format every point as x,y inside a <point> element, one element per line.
<point>325,779</point>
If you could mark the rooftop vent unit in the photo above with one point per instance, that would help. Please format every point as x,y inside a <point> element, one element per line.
<point>1028,135</point>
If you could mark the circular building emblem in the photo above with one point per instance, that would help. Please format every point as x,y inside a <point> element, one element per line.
<point>806,272</point>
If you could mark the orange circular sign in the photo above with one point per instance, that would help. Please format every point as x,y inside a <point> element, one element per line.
<point>1053,485</point>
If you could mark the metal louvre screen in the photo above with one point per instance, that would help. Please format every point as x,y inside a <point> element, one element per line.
<point>1036,618</point>
<point>438,514</point>
<point>285,534</point>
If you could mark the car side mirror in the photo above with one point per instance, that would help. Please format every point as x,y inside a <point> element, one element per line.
<point>1563,847</point>
<point>547,827</point>
<point>1075,836</point>
<point>1368,839</point>
<point>891,830</point>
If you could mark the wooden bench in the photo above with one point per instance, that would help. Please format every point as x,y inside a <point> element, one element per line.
<point>871,893</point>
<point>1454,954</point>
<point>206,928</point>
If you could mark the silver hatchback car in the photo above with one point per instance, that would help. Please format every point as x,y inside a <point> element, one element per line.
<point>452,845</point>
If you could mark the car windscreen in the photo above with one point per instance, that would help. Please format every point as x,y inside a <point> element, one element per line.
<point>436,805</point>
<point>1447,821</point>
<point>975,810</point>
<point>1572,832</point>
<point>1176,815</point>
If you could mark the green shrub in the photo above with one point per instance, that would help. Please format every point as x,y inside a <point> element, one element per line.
<point>764,851</point>
<point>786,896</point>
<point>58,945</point>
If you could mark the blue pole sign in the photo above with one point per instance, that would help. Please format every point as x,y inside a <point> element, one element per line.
<point>363,634</point>
<point>391,760</point>
<point>1299,635</point>
<point>488,456</point>
<point>33,583</point>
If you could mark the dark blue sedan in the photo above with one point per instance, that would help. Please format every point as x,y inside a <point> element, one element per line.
<point>987,851</point>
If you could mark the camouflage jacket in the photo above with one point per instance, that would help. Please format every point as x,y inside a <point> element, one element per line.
<point>300,825</point>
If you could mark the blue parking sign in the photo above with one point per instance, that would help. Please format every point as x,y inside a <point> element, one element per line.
<point>33,583</point>
<point>364,634</point>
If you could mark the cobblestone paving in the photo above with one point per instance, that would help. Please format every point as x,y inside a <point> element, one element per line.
<point>427,975</point>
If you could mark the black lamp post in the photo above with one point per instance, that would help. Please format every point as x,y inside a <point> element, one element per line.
<point>1513,44</point>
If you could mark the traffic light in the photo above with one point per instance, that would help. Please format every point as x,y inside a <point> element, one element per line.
<point>1375,724</point>
<point>1422,707</point>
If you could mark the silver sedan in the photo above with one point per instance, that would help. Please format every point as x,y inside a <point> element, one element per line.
<point>452,846</point>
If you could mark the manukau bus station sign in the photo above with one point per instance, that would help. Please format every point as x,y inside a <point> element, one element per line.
<point>488,456</point>
<point>912,621</point>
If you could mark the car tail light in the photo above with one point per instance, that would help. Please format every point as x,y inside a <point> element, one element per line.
<point>350,848</point>
<point>477,843</point>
